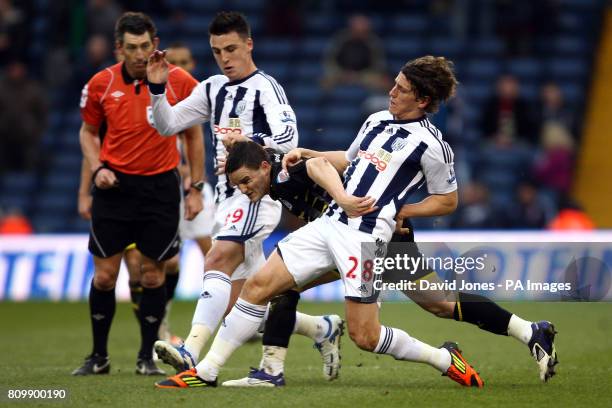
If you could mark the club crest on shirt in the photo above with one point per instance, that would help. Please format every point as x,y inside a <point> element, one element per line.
<point>240,107</point>
<point>398,144</point>
<point>282,176</point>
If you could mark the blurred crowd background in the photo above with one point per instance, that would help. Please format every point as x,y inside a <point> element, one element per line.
<point>516,125</point>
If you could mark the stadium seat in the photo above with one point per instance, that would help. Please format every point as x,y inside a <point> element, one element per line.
<point>322,23</point>
<point>404,48</point>
<point>279,70</point>
<point>476,92</point>
<point>309,72</point>
<point>15,200</point>
<point>448,47</point>
<point>49,223</point>
<point>277,49</point>
<point>479,69</point>
<point>340,115</point>
<point>62,182</point>
<point>486,46</point>
<point>51,202</point>
<point>313,47</point>
<point>409,24</point>
<point>568,68</point>
<point>305,93</point>
<point>346,95</point>
<point>525,68</point>
<point>16,182</point>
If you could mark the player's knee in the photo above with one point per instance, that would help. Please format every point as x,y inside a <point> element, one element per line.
<point>256,290</point>
<point>363,337</point>
<point>152,275</point>
<point>221,259</point>
<point>104,280</point>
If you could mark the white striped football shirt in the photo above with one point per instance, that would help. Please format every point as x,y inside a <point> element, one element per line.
<point>255,106</point>
<point>389,160</point>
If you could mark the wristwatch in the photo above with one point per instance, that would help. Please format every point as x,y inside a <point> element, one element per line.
<point>198,185</point>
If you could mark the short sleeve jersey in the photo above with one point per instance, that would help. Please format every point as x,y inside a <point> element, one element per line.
<point>131,144</point>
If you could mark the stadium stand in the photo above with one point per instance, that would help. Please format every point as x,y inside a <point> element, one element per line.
<point>327,120</point>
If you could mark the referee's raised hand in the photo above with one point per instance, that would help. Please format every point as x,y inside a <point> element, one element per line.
<point>157,67</point>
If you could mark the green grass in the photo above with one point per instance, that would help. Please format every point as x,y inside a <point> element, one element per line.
<point>42,343</point>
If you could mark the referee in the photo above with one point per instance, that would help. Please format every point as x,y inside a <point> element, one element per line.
<point>136,192</point>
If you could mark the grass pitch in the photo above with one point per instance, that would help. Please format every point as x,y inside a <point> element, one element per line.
<point>43,342</point>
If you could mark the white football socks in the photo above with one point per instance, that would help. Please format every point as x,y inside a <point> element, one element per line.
<point>273,359</point>
<point>314,327</point>
<point>240,325</point>
<point>520,329</point>
<point>212,303</point>
<point>401,346</point>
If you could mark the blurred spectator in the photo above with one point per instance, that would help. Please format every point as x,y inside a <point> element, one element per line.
<point>553,108</point>
<point>179,54</point>
<point>283,18</point>
<point>355,56</point>
<point>555,166</point>
<point>13,32</point>
<point>522,23</point>
<point>101,17</point>
<point>527,211</point>
<point>14,222</point>
<point>23,116</point>
<point>475,210</point>
<point>98,54</point>
<point>507,113</point>
<point>571,217</point>
<point>501,165</point>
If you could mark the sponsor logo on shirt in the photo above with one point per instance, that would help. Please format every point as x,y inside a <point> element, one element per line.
<point>380,158</point>
<point>117,94</point>
<point>233,126</point>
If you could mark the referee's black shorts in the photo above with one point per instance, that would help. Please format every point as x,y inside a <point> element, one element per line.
<point>142,210</point>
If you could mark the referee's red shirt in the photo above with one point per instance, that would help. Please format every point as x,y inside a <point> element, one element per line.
<point>131,144</point>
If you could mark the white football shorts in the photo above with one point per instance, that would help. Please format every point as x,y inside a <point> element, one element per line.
<point>202,225</point>
<point>327,244</point>
<point>238,219</point>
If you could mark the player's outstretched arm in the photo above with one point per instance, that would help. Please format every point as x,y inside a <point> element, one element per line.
<point>432,206</point>
<point>336,158</point>
<point>324,174</point>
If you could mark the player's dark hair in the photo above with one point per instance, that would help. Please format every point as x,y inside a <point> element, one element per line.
<point>245,154</point>
<point>226,22</point>
<point>134,23</point>
<point>431,77</point>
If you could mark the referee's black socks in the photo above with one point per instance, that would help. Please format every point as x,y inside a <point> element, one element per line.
<point>482,312</point>
<point>152,308</point>
<point>171,282</point>
<point>102,309</point>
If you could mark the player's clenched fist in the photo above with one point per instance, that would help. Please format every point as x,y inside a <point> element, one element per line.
<point>157,67</point>
<point>291,158</point>
<point>105,179</point>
